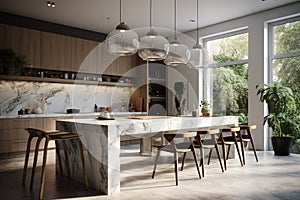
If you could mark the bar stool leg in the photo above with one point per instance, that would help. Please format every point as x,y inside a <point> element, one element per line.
<point>224,158</point>
<point>237,148</point>
<point>66,157</point>
<point>58,157</point>
<point>252,143</point>
<point>195,158</point>
<point>242,146</point>
<point>183,159</point>
<point>26,159</point>
<point>209,156</point>
<point>176,167</point>
<point>219,157</point>
<point>43,169</point>
<point>156,160</point>
<point>36,153</point>
<point>83,165</point>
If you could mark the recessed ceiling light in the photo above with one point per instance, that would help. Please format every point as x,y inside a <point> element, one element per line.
<point>51,4</point>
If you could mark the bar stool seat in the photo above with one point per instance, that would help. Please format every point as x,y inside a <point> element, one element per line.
<point>50,135</point>
<point>246,138</point>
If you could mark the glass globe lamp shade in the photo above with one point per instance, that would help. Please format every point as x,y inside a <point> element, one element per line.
<point>122,41</point>
<point>153,47</point>
<point>199,56</point>
<point>179,53</point>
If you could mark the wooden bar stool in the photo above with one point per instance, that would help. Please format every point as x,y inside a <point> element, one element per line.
<point>177,148</point>
<point>50,135</point>
<point>229,140</point>
<point>246,137</point>
<point>208,141</point>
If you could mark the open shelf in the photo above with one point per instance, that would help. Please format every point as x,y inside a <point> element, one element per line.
<point>64,81</point>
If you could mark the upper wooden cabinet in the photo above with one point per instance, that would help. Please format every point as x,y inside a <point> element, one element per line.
<point>55,51</point>
<point>58,52</point>
<point>23,41</point>
<point>84,56</point>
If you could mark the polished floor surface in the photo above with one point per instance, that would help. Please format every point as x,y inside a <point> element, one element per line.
<point>273,177</point>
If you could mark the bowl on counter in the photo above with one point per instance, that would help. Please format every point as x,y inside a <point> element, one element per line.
<point>73,110</point>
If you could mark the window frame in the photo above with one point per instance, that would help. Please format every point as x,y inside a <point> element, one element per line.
<point>271,55</point>
<point>206,80</point>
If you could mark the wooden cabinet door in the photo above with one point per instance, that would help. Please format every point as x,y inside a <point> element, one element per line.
<point>55,51</point>
<point>24,42</point>
<point>3,40</point>
<point>84,55</point>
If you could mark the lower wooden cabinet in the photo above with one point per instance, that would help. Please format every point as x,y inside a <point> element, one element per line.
<point>13,137</point>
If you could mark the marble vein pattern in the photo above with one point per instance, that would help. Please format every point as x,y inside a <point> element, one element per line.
<point>56,97</point>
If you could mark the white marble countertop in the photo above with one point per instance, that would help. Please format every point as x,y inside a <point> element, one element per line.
<point>12,116</point>
<point>157,124</point>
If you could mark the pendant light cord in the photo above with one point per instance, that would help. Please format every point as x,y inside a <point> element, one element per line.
<point>175,21</point>
<point>197,22</point>
<point>150,14</point>
<point>120,11</point>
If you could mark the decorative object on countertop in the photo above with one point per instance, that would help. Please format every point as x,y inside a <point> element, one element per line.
<point>11,63</point>
<point>102,109</point>
<point>283,117</point>
<point>108,109</point>
<point>20,112</point>
<point>131,108</point>
<point>105,116</point>
<point>206,109</point>
<point>73,110</point>
<point>95,108</point>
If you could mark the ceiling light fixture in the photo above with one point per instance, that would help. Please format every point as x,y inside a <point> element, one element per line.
<point>199,55</point>
<point>122,41</point>
<point>153,46</point>
<point>179,53</point>
<point>50,4</point>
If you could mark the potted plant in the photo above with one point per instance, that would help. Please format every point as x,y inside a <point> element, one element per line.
<point>10,62</point>
<point>282,117</point>
<point>205,109</point>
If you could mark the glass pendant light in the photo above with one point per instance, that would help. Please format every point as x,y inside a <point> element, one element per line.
<point>199,55</point>
<point>122,41</point>
<point>179,53</point>
<point>153,47</point>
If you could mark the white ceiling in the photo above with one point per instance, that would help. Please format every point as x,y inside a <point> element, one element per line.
<point>103,15</point>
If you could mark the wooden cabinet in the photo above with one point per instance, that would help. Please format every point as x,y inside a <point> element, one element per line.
<point>58,52</point>
<point>84,56</point>
<point>23,41</point>
<point>13,137</point>
<point>55,51</point>
<point>3,40</point>
<point>123,66</point>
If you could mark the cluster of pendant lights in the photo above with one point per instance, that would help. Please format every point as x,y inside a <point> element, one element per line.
<point>154,47</point>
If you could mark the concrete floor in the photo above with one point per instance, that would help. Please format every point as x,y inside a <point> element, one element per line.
<point>273,177</point>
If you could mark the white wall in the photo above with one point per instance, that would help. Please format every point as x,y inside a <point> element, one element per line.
<point>257,56</point>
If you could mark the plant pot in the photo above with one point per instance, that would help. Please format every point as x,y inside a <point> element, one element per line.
<point>282,145</point>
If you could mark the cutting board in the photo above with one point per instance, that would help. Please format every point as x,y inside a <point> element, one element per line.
<point>148,117</point>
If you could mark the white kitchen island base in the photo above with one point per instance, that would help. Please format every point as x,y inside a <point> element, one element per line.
<point>101,142</point>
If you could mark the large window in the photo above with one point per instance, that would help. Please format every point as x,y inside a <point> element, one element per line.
<point>284,54</point>
<point>228,73</point>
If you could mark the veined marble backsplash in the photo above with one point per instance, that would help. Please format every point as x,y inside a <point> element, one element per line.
<point>56,97</point>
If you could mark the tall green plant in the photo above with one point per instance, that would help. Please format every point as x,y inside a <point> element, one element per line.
<point>282,108</point>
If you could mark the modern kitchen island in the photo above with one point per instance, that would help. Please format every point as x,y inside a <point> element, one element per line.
<point>101,142</point>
